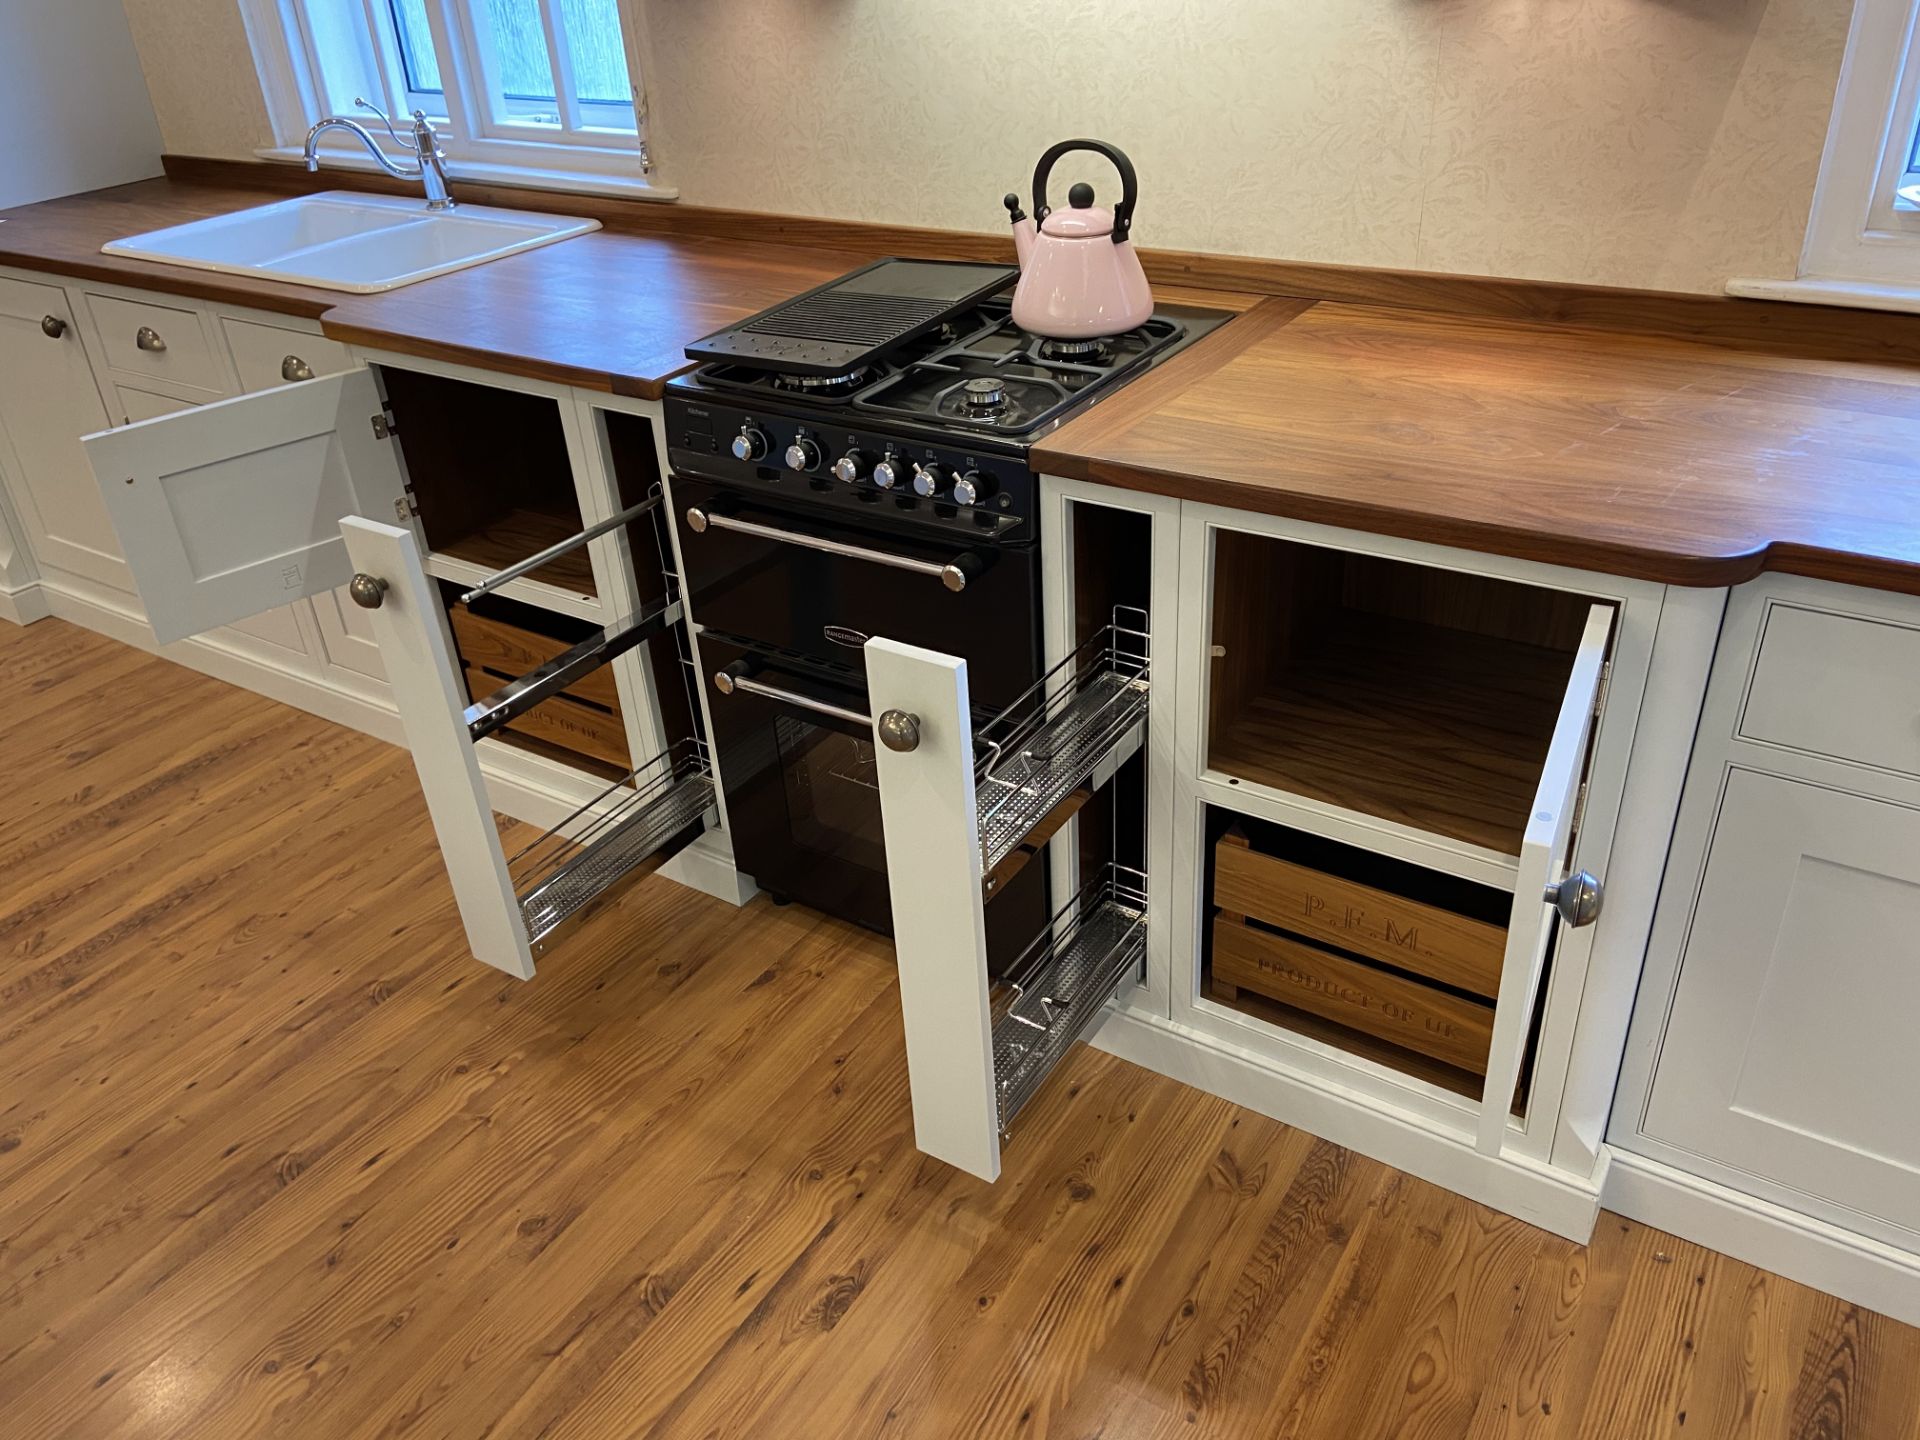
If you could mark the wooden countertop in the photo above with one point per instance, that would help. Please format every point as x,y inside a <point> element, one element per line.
<point>1635,453</point>
<point>1659,458</point>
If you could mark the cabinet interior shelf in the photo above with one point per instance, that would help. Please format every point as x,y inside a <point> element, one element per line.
<point>520,533</point>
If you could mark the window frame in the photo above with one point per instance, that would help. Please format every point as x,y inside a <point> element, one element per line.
<point>484,138</point>
<point>1860,231</point>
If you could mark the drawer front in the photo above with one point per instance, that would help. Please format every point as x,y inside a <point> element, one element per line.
<point>1407,934</point>
<point>1839,686</point>
<point>583,729</point>
<point>137,405</point>
<point>1417,1017</point>
<point>266,355</point>
<point>488,643</point>
<point>157,341</point>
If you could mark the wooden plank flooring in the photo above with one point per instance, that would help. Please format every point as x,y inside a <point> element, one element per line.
<point>277,1159</point>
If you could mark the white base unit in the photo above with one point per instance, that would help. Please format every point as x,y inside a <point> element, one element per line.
<point>1769,1081</point>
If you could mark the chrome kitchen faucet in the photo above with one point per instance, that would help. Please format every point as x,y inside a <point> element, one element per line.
<point>430,159</point>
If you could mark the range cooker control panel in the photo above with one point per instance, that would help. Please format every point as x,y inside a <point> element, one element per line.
<point>937,483</point>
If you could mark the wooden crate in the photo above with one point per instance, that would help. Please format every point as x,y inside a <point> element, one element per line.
<point>1415,1016</point>
<point>1377,924</point>
<point>585,720</point>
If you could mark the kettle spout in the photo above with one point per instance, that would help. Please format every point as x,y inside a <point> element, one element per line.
<point>1023,230</point>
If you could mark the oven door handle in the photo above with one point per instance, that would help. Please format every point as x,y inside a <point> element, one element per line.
<point>737,678</point>
<point>953,575</point>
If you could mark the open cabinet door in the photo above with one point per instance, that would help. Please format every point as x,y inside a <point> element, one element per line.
<point>1545,855</point>
<point>234,508</point>
<point>513,906</point>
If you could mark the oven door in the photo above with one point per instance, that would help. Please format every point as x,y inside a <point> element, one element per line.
<point>795,754</point>
<point>821,584</point>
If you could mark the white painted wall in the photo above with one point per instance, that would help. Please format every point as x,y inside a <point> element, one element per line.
<point>1662,143</point>
<point>74,109</point>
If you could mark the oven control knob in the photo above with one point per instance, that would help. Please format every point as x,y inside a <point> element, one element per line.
<point>850,466</point>
<point>750,444</point>
<point>927,479</point>
<point>890,471</point>
<point>971,488</point>
<point>803,454</point>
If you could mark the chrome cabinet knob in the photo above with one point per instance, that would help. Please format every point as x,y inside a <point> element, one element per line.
<point>1577,898</point>
<point>52,326</point>
<point>899,730</point>
<point>368,591</point>
<point>294,368</point>
<point>148,339</point>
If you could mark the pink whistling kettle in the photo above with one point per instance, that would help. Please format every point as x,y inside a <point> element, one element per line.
<point>1079,277</point>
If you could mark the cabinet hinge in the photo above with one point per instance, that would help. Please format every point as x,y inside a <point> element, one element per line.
<point>405,507</point>
<point>1600,690</point>
<point>1579,809</point>
<point>384,425</point>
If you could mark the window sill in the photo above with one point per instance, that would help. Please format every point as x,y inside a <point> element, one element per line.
<point>1852,294</point>
<point>531,177</point>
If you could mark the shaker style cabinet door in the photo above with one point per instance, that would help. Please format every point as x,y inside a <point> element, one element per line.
<point>234,508</point>
<point>1789,1050</point>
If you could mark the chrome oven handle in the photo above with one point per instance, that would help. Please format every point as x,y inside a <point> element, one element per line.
<point>954,576</point>
<point>735,679</point>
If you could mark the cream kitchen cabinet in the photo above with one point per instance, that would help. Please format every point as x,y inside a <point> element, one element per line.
<point>48,400</point>
<point>411,485</point>
<point>1766,1102</point>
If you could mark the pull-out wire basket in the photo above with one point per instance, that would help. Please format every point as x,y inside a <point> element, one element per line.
<point>563,871</point>
<point>1051,995</point>
<point>1082,713</point>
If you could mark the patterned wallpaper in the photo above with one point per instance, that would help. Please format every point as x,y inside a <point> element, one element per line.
<point>1662,143</point>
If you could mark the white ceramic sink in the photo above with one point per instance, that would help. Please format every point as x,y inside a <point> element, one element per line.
<point>340,240</point>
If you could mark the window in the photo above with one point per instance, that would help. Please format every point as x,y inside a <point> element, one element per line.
<point>1863,235</point>
<point>542,85</point>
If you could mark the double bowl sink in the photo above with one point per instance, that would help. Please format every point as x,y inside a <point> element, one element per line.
<point>340,240</point>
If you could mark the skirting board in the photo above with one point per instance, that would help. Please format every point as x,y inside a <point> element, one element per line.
<point>526,787</point>
<point>1859,1270</point>
<point>25,604</point>
<point>1565,1204</point>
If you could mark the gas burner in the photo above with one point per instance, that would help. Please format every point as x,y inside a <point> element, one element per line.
<point>842,384</point>
<point>1091,351</point>
<point>984,396</point>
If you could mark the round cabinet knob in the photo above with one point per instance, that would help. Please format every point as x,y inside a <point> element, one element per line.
<point>750,444</point>
<point>293,368</point>
<point>367,591</point>
<point>926,479</point>
<point>52,326</point>
<point>803,455</point>
<point>1578,898</point>
<point>899,730</point>
<point>971,488</point>
<point>890,471</point>
<point>148,339</point>
<point>850,466</point>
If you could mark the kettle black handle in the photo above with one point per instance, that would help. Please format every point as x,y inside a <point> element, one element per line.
<point>1129,187</point>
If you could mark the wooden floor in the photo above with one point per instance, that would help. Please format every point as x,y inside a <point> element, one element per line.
<point>276,1159</point>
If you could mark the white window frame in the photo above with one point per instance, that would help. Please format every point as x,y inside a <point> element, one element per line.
<point>1863,238</point>
<point>484,134</point>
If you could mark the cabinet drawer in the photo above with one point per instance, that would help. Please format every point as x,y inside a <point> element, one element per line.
<point>1841,686</point>
<point>1417,1017</point>
<point>489,643</point>
<point>266,355</point>
<point>157,342</point>
<point>1394,929</point>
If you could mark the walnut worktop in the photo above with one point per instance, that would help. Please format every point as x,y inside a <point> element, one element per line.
<point>1634,454</point>
<point>1621,450</point>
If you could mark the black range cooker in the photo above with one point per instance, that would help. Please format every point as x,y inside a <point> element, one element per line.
<point>854,463</point>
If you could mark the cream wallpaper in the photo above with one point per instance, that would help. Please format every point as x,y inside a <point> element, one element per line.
<point>1664,143</point>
